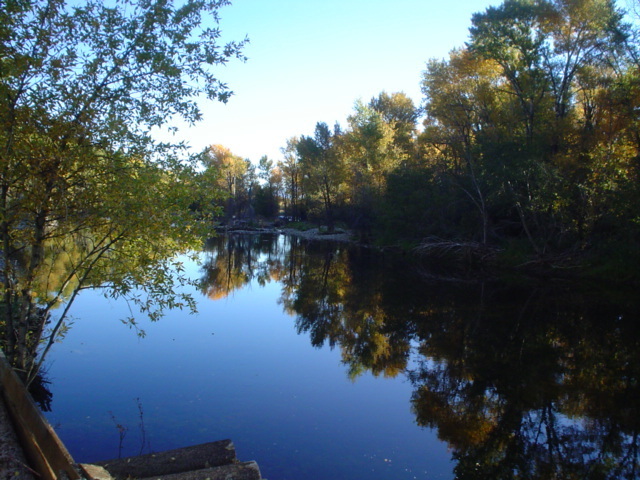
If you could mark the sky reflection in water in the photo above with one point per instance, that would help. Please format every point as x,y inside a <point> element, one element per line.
<point>236,370</point>
<point>516,379</point>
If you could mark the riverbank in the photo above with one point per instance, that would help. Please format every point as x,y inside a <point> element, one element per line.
<point>316,233</point>
<point>463,260</point>
<point>13,463</point>
<point>30,449</point>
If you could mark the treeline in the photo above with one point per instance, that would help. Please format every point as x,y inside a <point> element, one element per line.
<point>529,145</point>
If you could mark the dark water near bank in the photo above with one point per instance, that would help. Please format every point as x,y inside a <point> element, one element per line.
<point>323,361</point>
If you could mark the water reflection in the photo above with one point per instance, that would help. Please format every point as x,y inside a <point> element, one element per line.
<point>521,381</point>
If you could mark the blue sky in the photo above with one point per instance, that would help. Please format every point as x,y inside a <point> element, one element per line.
<point>310,60</point>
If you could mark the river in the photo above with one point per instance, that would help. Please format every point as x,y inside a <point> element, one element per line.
<point>327,361</point>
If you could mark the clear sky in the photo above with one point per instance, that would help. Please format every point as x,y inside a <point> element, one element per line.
<point>310,60</point>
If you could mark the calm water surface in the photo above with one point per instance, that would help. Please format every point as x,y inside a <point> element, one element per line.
<point>323,361</point>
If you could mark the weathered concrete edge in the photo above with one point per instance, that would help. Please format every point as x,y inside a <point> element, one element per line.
<point>40,443</point>
<point>95,472</point>
<point>234,471</point>
<point>185,459</point>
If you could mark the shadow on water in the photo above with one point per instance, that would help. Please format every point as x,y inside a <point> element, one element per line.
<point>521,380</point>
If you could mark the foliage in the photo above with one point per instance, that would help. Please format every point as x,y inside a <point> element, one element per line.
<point>87,198</point>
<point>529,138</point>
<point>293,188</point>
<point>339,175</point>
<point>323,170</point>
<point>269,191</point>
<point>230,174</point>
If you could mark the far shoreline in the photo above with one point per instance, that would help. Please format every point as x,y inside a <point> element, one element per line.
<point>315,233</point>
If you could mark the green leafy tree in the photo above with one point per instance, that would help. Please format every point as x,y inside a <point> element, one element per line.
<point>399,111</point>
<point>462,113</point>
<point>370,155</point>
<point>266,197</point>
<point>82,87</point>
<point>323,169</point>
<point>545,50</point>
<point>293,191</point>
<point>248,186</point>
<point>511,34</point>
<point>231,170</point>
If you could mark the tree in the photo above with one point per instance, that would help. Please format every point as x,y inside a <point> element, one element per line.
<point>461,110</point>
<point>323,169</point>
<point>291,179</point>
<point>370,155</point>
<point>398,110</point>
<point>266,196</point>
<point>230,169</point>
<point>511,35</point>
<point>249,183</point>
<point>579,33</point>
<point>81,179</point>
<point>545,50</point>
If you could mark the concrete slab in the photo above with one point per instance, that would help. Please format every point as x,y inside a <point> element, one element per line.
<point>238,471</point>
<point>186,459</point>
<point>95,472</point>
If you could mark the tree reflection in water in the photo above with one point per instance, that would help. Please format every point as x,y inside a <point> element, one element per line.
<point>522,381</point>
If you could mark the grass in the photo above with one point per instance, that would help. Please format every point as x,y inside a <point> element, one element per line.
<point>302,226</point>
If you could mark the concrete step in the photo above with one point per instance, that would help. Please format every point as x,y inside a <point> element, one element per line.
<point>235,471</point>
<point>198,457</point>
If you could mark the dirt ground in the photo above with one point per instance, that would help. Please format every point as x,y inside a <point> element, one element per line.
<point>315,234</point>
<point>12,462</point>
